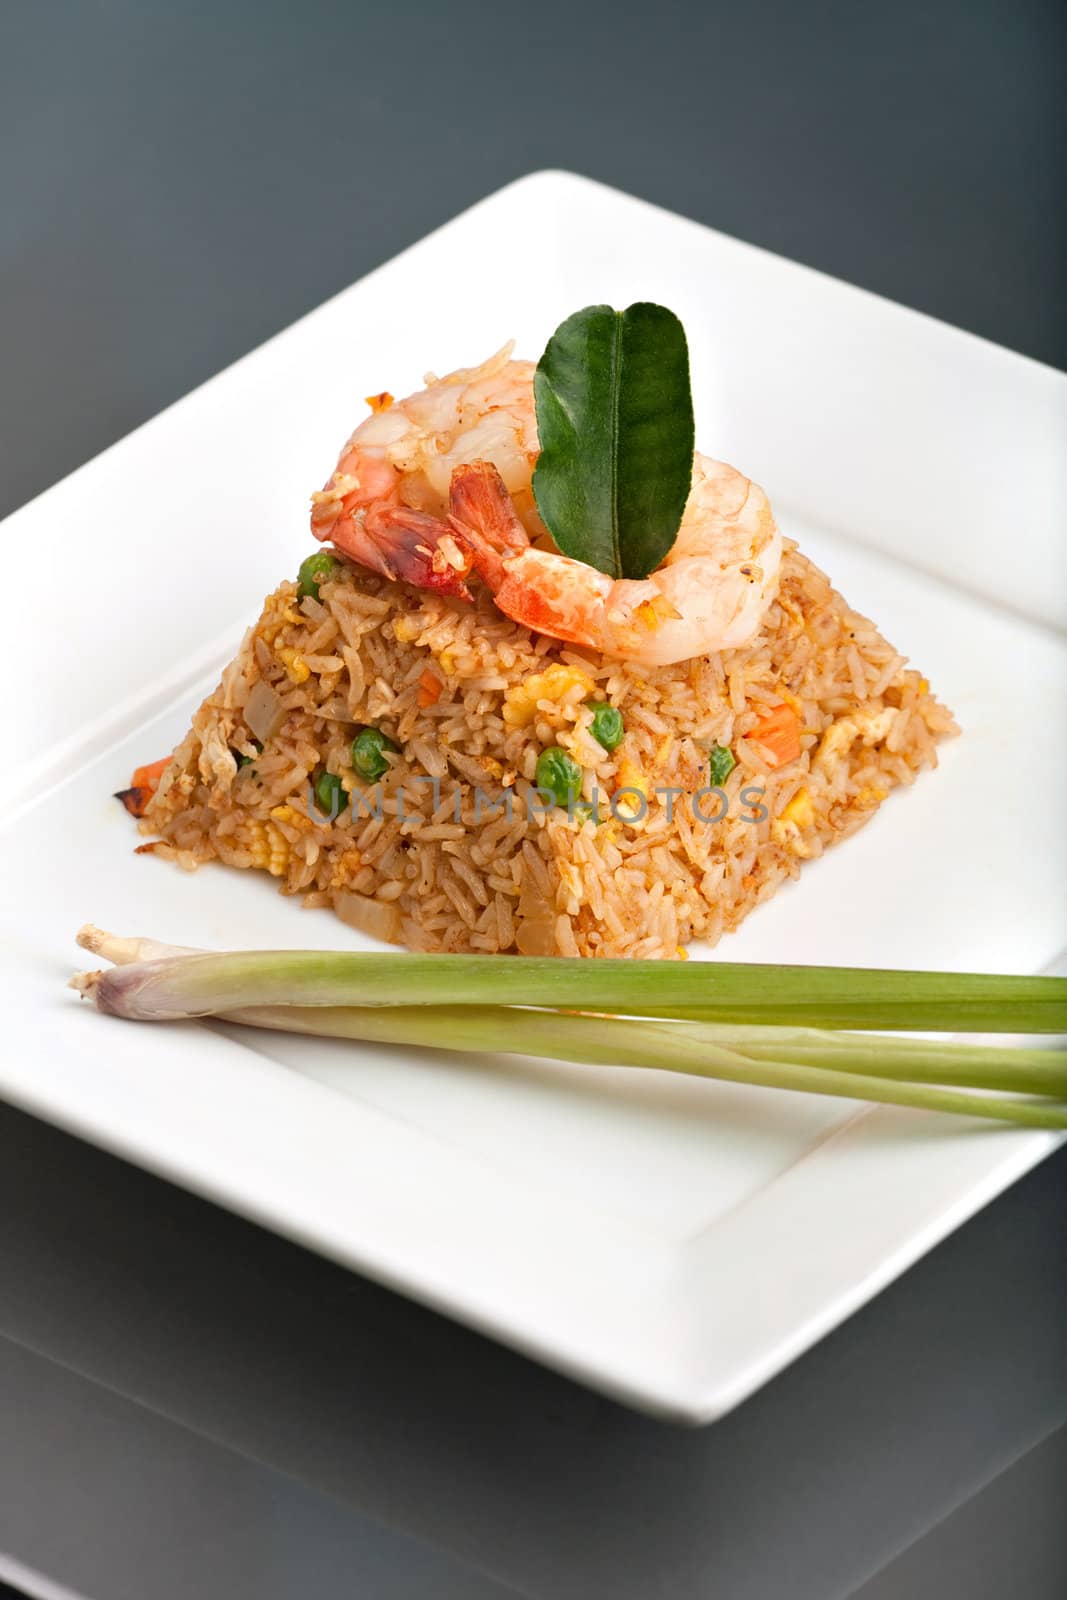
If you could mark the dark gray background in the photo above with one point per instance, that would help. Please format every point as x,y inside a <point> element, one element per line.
<point>181,180</point>
<point>190,1406</point>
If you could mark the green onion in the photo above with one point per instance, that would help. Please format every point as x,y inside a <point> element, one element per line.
<point>607,726</point>
<point>1030,1085</point>
<point>314,570</point>
<point>721,763</point>
<point>369,749</point>
<point>659,1046</point>
<point>559,775</point>
<point>713,991</point>
<point>949,1062</point>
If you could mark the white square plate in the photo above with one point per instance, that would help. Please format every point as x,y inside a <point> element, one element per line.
<point>671,1242</point>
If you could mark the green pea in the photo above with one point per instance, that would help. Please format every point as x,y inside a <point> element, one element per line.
<point>330,795</point>
<point>315,570</point>
<point>607,726</point>
<point>369,749</point>
<point>559,775</point>
<point>721,763</point>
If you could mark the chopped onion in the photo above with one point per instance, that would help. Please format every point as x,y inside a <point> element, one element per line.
<point>536,936</point>
<point>376,918</point>
<point>264,712</point>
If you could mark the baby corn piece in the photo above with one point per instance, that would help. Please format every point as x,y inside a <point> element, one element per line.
<point>270,848</point>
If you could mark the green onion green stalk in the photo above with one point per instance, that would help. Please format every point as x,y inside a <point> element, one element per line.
<point>471,1004</point>
<point>823,997</point>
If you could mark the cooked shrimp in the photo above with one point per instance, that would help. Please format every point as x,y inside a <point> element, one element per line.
<point>710,593</point>
<point>430,488</point>
<point>386,502</point>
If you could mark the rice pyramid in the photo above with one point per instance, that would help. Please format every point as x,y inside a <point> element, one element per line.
<point>734,768</point>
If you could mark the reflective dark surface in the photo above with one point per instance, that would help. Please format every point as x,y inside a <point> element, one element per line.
<point>411,1421</point>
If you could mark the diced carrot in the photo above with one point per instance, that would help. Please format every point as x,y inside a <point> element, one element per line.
<point>429,689</point>
<point>143,786</point>
<point>148,777</point>
<point>380,402</point>
<point>778,734</point>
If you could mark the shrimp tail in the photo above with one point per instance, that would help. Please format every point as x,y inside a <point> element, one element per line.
<point>480,501</point>
<point>484,520</point>
<point>409,546</point>
<point>480,533</point>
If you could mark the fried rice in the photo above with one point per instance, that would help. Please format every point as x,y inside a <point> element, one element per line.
<point>455,849</point>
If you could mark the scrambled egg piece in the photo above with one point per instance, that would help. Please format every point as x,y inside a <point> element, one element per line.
<point>800,809</point>
<point>296,668</point>
<point>559,683</point>
<point>799,813</point>
<point>870,726</point>
<point>278,614</point>
<point>405,629</point>
<point>874,726</point>
<point>630,776</point>
<point>571,883</point>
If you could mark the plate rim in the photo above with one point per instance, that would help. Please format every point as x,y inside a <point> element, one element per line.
<point>637,1377</point>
